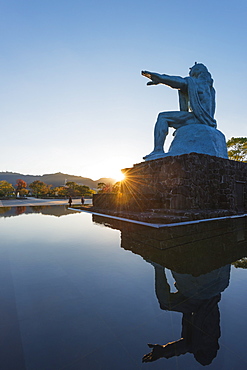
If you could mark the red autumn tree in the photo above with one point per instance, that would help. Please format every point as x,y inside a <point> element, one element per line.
<point>20,184</point>
<point>21,187</point>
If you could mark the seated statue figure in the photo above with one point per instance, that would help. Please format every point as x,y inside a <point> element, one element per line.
<point>196,99</point>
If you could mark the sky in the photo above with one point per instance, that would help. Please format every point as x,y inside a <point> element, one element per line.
<point>72,98</point>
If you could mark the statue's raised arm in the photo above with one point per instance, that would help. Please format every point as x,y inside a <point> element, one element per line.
<point>175,82</point>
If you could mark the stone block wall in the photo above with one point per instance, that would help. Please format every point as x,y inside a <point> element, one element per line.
<point>188,249</point>
<point>186,182</point>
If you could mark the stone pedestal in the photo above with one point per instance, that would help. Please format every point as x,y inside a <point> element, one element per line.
<point>188,249</point>
<point>189,182</point>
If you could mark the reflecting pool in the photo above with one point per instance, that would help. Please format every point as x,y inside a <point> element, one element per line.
<point>79,291</point>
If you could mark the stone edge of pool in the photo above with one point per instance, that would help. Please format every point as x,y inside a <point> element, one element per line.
<point>157,225</point>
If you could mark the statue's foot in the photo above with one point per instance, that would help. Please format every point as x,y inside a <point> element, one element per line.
<point>155,154</point>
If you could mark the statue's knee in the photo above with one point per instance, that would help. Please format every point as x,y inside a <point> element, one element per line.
<point>162,118</point>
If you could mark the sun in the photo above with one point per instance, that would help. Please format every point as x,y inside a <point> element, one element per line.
<point>118,176</point>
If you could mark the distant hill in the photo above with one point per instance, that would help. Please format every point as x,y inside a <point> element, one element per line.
<point>54,179</point>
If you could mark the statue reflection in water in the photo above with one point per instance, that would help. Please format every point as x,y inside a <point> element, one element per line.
<point>197,299</point>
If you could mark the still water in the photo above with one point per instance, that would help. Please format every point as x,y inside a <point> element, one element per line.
<point>84,292</point>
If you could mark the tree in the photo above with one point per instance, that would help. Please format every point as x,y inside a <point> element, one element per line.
<point>237,149</point>
<point>20,210</point>
<point>116,188</point>
<point>6,189</point>
<point>59,191</point>
<point>108,188</point>
<point>84,190</point>
<point>23,192</point>
<point>21,187</point>
<point>71,185</point>
<point>74,189</point>
<point>20,184</point>
<point>242,263</point>
<point>100,187</point>
<point>104,188</point>
<point>39,188</point>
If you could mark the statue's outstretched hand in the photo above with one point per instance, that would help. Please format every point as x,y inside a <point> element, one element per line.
<point>154,79</point>
<point>157,352</point>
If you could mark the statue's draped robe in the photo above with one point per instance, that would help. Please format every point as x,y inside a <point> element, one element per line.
<point>190,98</point>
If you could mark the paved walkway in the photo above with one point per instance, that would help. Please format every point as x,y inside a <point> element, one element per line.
<point>39,202</point>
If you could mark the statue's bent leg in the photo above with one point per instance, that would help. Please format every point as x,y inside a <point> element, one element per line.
<point>160,133</point>
<point>165,120</point>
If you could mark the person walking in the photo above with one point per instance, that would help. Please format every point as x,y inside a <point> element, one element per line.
<point>70,201</point>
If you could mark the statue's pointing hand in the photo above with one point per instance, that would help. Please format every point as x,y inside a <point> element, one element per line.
<point>157,352</point>
<point>152,77</point>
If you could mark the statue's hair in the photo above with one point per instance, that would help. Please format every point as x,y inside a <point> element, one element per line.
<point>203,72</point>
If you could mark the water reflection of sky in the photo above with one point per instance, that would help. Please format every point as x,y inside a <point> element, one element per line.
<point>77,294</point>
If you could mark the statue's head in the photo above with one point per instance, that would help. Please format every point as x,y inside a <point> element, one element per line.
<point>199,70</point>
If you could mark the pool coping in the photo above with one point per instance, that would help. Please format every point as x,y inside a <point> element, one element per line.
<point>158,226</point>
